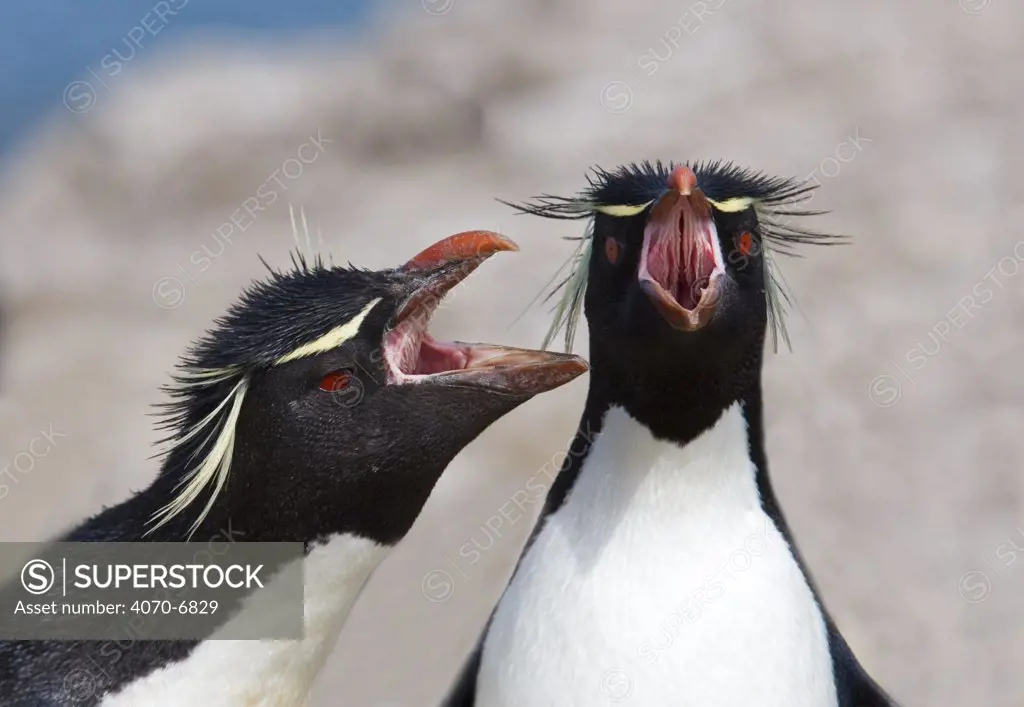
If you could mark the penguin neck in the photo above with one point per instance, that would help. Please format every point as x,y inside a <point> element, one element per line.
<point>672,411</point>
<point>678,403</point>
<point>132,520</point>
<point>267,673</point>
<point>241,516</point>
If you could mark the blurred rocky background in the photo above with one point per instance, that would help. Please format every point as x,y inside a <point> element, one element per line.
<point>150,152</point>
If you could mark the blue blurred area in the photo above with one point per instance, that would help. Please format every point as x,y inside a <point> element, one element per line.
<point>45,45</point>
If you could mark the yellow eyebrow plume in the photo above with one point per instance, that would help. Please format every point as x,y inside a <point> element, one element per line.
<point>621,210</point>
<point>332,339</point>
<point>734,205</point>
<point>730,206</point>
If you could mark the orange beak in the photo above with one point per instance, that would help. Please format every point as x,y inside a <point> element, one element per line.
<point>468,245</point>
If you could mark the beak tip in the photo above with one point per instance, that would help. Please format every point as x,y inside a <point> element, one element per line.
<point>478,244</point>
<point>468,245</point>
<point>500,242</point>
<point>674,314</point>
<point>560,370</point>
<point>576,365</point>
<point>682,180</point>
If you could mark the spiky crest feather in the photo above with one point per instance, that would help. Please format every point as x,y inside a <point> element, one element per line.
<point>274,320</point>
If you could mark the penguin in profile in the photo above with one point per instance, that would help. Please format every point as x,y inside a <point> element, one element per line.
<point>317,410</point>
<point>662,572</point>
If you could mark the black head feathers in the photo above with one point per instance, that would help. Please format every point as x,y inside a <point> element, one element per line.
<point>300,312</point>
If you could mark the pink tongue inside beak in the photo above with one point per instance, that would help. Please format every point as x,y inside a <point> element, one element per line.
<point>679,267</point>
<point>412,355</point>
<point>682,264</point>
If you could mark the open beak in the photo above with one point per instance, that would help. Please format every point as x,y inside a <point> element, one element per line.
<point>681,266</point>
<point>412,355</point>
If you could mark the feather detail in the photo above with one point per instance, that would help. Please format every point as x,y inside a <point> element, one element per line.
<point>294,312</point>
<point>567,311</point>
<point>213,457</point>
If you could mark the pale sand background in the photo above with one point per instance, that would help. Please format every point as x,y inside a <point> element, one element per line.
<point>438,114</point>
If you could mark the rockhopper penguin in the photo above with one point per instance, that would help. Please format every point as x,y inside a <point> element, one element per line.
<point>318,410</point>
<point>662,572</point>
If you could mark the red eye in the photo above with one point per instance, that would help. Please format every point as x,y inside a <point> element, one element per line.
<point>745,243</point>
<point>611,250</point>
<point>333,382</point>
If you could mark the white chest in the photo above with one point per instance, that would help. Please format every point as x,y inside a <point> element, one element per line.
<point>224,673</point>
<point>662,582</point>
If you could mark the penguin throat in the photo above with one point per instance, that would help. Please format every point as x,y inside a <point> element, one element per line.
<point>417,353</point>
<point>412,354</point>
